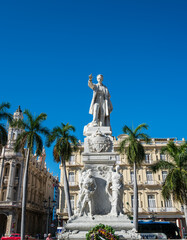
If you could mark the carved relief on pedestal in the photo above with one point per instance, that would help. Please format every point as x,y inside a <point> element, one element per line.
<point>114,189</point>
<point>99,142</point>
<point>87,186</point>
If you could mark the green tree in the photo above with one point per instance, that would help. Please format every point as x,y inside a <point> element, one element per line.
<point>176,180</point>
<point>134,150</point>
<point>65,145</point>
<point>4,115</point>
<point>31,140</point>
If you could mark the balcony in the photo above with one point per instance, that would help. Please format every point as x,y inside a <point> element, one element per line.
<point>72,184</point>
<point>151,182</point>
<point>169,209</point>
<point>150,161</point>
<point>153,209</point>
<point>72,163</point>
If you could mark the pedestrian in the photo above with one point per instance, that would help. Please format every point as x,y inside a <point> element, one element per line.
<point>49,237</point>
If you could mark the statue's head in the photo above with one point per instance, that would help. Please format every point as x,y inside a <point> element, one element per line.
<point>89,172</point>
<point>100,78</point>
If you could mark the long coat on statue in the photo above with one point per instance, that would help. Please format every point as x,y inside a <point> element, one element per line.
<point>107,106</point>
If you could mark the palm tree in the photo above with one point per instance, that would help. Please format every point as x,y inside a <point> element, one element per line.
<point>65,144</point>
<point>4,115</point>
<point>30,139</point>
<point>176,180</point>
<point>134,150</point>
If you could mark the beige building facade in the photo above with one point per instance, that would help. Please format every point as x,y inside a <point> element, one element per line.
<point>40,188</point>
<point>151,202</point>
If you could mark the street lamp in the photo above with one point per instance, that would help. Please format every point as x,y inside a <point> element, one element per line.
<point>49,208</point>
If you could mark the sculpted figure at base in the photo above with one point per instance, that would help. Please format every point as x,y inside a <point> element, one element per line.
<point>101,106</point>
<point>114,188</point>
<point>87,189</point>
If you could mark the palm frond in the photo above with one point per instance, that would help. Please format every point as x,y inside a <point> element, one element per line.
<point>18,124</point>
<point>4,115</point>
<point>21,142</point>
<point>4,105</point>
<point>29,116</point>
<point>43,130</point>
<point>144,137</point>
<point>127,130</point>
<point>39,144</point>
<point>140,127</point>
<point>162,165</point>
<point>3,135</point>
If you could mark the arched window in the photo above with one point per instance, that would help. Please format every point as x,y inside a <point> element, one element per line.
<point>6,171</point>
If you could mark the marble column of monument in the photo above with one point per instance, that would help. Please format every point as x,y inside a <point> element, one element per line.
<point>100,181</point>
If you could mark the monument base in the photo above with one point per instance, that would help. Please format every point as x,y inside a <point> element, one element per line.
<point>78,227</point>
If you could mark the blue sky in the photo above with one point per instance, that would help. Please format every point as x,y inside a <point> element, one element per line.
<point>48,49</point>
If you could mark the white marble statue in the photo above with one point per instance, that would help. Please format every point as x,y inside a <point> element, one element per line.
<point>114,188</point>
<point>101,106</point>
<point>87,189</point>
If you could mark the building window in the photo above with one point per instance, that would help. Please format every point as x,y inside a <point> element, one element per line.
<point>147,158</point>
<point>71,178</point>
<point>17,170</point>
<point>72,200</point>
<point>149,176</point>
<point>72,160</point>
<point>163,157</point>
<point>132,176</point>
<point>168,203</point>
<point>164,175</point>
<point>7,170</point>
<point>151,202</point>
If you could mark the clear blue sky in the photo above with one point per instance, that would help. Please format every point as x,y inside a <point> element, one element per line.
<point>48,49</point>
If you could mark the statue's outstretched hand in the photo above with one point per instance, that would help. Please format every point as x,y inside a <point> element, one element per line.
<point>90,77</point>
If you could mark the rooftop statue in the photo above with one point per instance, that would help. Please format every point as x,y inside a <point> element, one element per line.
<point>101,106</point>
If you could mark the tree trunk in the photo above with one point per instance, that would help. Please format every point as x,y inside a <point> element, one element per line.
<point>135,203</point>
<point>66,190</point>
<point>24,196</point>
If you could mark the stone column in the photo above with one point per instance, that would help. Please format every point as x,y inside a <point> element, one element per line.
<point>20,182</point>
<point>2,168</point>
<point>11,181</point>
<point>9,224</point>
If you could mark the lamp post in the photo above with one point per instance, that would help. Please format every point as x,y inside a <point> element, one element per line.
<point>49,208</point>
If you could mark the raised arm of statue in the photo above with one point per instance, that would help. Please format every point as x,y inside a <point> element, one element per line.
<point>90,84</point>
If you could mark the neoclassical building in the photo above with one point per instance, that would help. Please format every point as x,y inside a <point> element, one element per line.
<point>151,202</point>
<point>41,185</point>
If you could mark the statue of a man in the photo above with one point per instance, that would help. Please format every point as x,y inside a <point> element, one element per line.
<point>101,106</point>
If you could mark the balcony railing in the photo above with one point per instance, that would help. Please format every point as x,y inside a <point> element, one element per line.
<point>152,209</point>
<point>148,161</point>
<point>72,163</point>
<point>169,209</point>
<point>151,182</point>
<point>72,183</point>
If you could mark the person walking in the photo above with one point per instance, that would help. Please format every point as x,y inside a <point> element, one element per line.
<point>49,237</point>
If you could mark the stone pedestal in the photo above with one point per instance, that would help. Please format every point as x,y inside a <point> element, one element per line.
<point>101,189</point>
